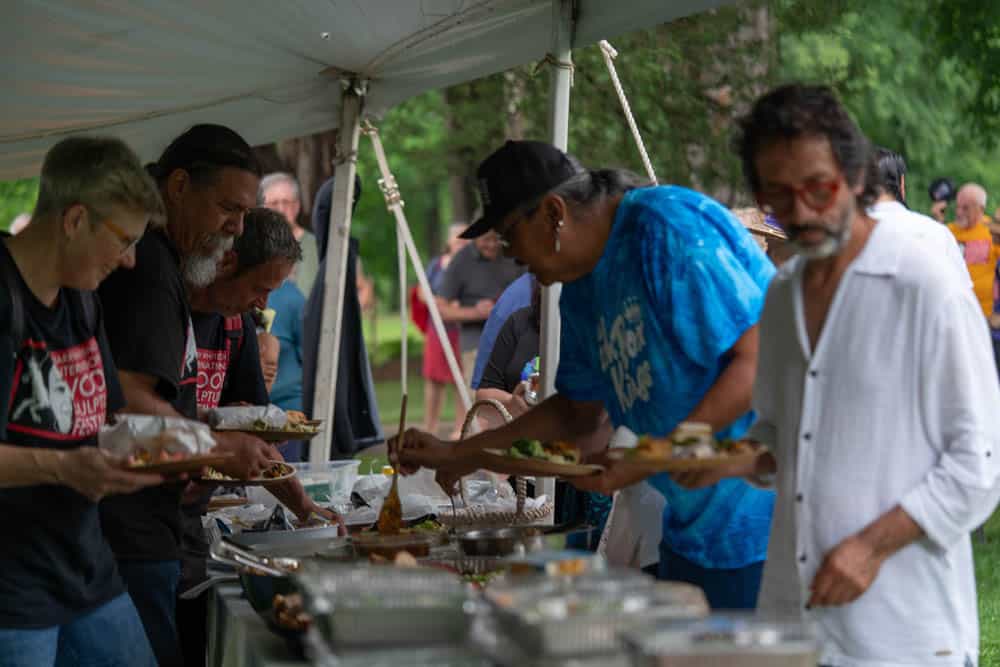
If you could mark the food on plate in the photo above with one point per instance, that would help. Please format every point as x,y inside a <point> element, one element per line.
<point>427,526</point>
<point>553,452</point>
<point>275,470</point>
<point>301,426</point>
<point>289,612</point>
<point>691,440</point>
<point>154,449</point>
<point>483,579</point>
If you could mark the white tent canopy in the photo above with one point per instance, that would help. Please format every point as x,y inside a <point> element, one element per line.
<point>146,70</point>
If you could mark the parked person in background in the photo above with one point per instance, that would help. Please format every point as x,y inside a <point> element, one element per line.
<point>475,279</point>
<point>885,455</point>
<point>356,423</point>
<point>662,288</point>
<point>888,170</point>
<point>280,191</point>
<point>514,298</point>
<point>62,601</point>
<point>514,357</point>
<point>972,232</point>
<point>437,374</point>
<point>208,180</point>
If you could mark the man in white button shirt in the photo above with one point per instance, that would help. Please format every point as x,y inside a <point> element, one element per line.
<point>876,394</point>
<point>890,204</point>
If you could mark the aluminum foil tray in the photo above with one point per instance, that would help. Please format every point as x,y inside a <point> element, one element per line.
<point>577,618</point>
<point>722,641</point>
<point>380,605</point>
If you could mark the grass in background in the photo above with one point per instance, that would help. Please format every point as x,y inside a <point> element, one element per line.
<point>988,587</point>
<point>389,394</point>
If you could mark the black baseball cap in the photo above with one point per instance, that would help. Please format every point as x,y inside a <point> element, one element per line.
<point>514,174</point>
<point>941,189</point>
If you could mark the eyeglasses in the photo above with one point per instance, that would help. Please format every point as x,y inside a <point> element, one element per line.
<point>127,241</point>
<point>780,200</point>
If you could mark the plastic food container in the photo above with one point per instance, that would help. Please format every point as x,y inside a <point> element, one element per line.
<point>722,641</point>
<point>325,481</point>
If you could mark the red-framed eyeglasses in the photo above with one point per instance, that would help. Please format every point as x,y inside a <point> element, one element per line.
<point>780,200</point>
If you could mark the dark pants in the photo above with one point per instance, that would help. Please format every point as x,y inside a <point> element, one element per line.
<point>192,621</point>
<point>109,636</point>
<point>724,589</point>
<point>153,588</point>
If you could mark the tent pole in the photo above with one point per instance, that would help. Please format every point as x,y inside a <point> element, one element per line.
<point>394,202</point>
<point>561,79</point>
<point>337,247</point>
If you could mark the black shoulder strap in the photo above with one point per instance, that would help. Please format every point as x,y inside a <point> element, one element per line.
<point>11,280</point>
<point>88,300</point>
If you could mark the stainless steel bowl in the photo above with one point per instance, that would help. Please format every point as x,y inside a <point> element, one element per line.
<point>493,541</point>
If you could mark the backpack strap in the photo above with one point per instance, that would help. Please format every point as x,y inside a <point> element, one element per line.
<point>234,333</point>
<point>88,301</point>
<point>10,279</point>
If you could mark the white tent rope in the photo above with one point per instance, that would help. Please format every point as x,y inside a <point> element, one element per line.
<point>394,203</point>
<point>610,54</point>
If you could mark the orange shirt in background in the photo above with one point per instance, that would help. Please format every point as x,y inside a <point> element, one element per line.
<point>981,257</point>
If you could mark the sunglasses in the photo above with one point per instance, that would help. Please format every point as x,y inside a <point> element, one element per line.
<point>779,201</point>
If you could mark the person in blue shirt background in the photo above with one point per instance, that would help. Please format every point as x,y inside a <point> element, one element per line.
<point>288,303</point>
<point>662,292</point>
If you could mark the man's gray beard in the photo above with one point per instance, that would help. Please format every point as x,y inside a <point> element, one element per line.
<point>201,270</point>
<point>832,245</point>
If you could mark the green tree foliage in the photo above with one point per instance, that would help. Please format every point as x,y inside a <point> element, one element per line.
<point>16,197</point>
<point>900,91</point>
<point>968,31</point>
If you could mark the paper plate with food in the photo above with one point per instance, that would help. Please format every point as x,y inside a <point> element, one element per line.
<point>533,457</point>
<point>268,422</point>
<point>165,445</point>
<point>278,471</point>
<point>691,447</point>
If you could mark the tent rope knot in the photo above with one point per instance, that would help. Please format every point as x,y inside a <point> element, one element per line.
<point>551,60</point>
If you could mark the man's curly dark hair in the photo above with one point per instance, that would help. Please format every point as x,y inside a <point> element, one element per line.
<point>799,110</point>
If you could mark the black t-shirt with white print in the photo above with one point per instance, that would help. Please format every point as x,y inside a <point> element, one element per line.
<point>148,321</point>
<point>58,382</point>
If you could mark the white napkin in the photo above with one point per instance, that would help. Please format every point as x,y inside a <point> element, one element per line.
<point>171,434</point>
<point>635,525</point>
<point>243,417</point>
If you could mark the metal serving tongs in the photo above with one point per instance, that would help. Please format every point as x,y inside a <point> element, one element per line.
<point>225,550</point>
<point>390,518</point>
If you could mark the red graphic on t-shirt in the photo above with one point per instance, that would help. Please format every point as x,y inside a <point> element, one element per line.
<point>977,252</point>
<point>59,394</point>
<point>212,365</point>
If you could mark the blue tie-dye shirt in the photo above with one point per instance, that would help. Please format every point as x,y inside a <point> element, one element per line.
<point>646,333</point>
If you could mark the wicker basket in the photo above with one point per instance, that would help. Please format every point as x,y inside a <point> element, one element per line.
<point>480,517</point>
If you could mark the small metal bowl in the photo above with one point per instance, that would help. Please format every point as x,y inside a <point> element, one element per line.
<point>497,541</point>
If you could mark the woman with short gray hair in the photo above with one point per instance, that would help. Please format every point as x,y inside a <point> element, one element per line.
<point>62,600</point>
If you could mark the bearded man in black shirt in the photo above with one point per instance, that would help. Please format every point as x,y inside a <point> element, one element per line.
<point>208,180</point>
